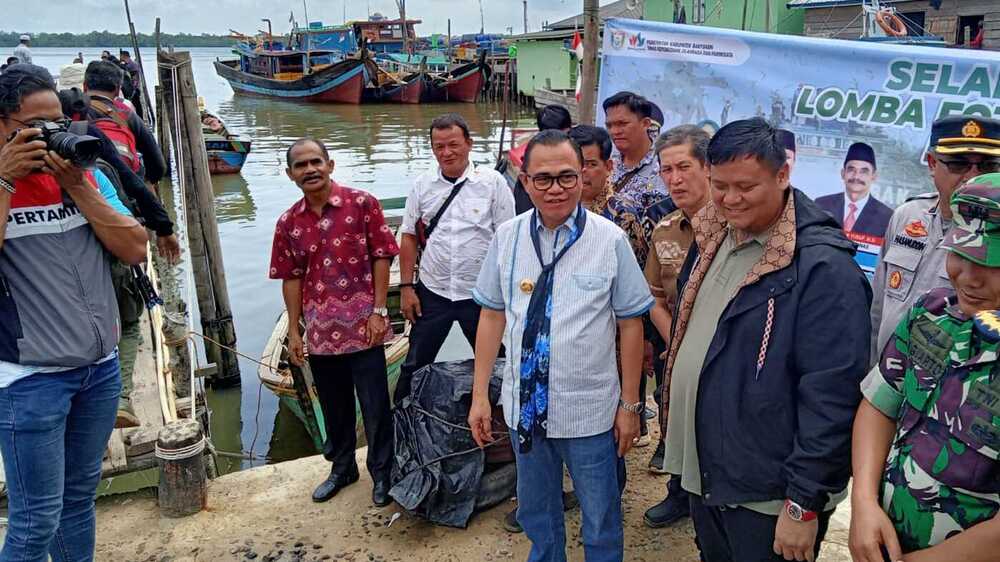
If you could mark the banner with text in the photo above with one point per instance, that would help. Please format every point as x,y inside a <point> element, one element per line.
<point>831,94</point>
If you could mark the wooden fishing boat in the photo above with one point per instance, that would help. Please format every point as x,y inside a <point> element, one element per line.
<point>410,90</point>
<point>226,152</point>
<point>226,155</point>
<point>461,84</point>
<point>389,87</point>
<point>281,75</point>
<point>295,386</point>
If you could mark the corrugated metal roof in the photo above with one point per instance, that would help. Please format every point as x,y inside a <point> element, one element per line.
<point>829,3</point>
<point>631,9</point>
<point>544,35</point>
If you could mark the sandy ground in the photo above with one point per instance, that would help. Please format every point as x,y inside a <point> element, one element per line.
<point>266,514</point>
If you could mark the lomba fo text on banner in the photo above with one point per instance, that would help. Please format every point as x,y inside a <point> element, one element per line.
<point>831,94</point>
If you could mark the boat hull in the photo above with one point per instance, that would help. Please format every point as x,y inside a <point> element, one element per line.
<point>343,82</point>
<point>411,92</point>
<point>461,85</point>
<point>466,88</point>
<point>294,386</point>
<point>226,156</point>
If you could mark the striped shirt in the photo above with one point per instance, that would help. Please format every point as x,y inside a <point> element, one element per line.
<point>597,282</point>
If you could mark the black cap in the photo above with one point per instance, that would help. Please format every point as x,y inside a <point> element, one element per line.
<point>787,139</point>
<point>656,114</point>
<point>966,135</point>
<point>861,151</point>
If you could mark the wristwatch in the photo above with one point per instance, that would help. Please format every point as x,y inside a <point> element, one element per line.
<point>798,513</point>
<point>632,408</point>
<point>381,311</point>
<point>7,186</point>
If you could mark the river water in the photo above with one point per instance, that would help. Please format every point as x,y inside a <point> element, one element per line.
<point>378,148</point>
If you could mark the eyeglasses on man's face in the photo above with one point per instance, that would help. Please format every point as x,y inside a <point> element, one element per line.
<point>961,165</point>
<point>542,182</point>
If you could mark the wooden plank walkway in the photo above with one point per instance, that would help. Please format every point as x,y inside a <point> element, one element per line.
<point>133,449</point>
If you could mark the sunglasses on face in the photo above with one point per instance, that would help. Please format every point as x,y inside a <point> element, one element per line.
<point>961,166</point>
<point>565,181</point>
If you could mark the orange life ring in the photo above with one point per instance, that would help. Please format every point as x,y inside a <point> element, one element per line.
<point>890,23</point>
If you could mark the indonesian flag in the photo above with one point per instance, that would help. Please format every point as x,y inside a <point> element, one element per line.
<point>577,48</point>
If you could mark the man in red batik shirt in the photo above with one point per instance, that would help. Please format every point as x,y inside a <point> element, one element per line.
<point>332,251</point>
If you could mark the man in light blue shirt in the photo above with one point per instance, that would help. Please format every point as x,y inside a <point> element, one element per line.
<point>555,285</point>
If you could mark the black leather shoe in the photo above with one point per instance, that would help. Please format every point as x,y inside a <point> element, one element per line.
<point>570,501</point>
<point>510,522</point>
<point>657,463</point>
<point>336,482</point>
<point>380,493</point>
<point>670,510</point>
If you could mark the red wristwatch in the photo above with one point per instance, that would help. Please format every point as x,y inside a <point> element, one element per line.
<point>797,513</point>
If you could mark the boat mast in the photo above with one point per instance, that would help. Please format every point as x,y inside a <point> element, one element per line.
<point>306,68</point>
<point>482,19</point>
<point>401,4</point>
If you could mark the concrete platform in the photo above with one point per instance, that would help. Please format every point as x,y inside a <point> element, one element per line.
<point>266,514</point>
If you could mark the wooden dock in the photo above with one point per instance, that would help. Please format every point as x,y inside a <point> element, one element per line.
<point>155,399</point>
<point>132,449</point>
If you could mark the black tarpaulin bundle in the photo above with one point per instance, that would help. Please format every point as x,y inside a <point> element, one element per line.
<point>437,467</point>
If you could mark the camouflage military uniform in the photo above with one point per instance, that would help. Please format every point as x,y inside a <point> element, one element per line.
<point>939,378</point>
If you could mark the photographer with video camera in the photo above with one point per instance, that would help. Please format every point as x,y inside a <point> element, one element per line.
<point>59,373</point>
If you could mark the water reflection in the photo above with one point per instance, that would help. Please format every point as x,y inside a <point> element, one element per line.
<point>290,437</point>
<point>233,201</point>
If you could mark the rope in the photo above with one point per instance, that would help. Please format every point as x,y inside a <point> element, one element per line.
<point>181,453</point>
<point>234,350</point>
<point>766,339</point>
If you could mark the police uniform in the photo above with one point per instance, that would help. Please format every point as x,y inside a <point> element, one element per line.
<point>911,262</point>
<point>939,378</point>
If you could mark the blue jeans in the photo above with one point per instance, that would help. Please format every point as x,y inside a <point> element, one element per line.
<point>54,428</point>
<point>597,474</point>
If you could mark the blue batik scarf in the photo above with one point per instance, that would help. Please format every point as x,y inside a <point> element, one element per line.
<point>535,343</point>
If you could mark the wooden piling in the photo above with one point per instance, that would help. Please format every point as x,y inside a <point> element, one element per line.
<point>181,103</point>
<point>180,451</point>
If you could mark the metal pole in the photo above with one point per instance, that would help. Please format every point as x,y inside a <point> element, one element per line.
<point>767,16</point>
<point>743,26</point>
<point>525,16</point>
<point>588,82</point>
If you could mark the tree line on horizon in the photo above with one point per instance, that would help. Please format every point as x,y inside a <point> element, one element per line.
<point>108,39</point>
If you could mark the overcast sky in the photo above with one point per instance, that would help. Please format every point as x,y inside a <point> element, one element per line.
<point>218,16</point>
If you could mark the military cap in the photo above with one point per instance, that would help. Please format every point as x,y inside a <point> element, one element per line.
<point>975,233</point>
<point>966,135</point>
<point>861,152</point>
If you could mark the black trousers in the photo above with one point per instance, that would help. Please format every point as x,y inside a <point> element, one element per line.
<point>726,534</point>
<point>428,333</point>
<point>338,378</point>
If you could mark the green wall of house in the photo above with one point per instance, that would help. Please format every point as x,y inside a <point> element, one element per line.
<point>544,64</point>
<point>729,14</point>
